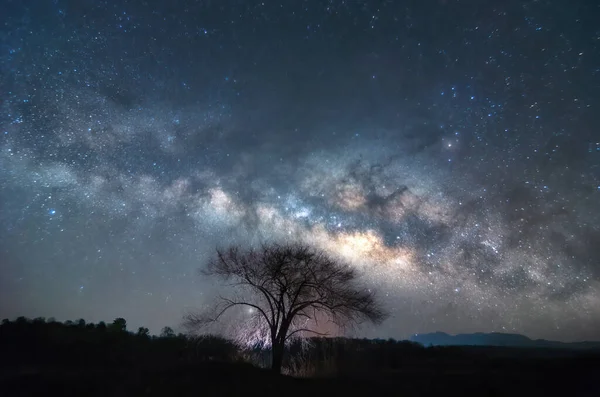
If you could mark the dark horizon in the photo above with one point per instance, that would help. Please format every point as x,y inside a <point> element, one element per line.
<point>416,337</point>
<point>178,329</point>
<point>447,150</point>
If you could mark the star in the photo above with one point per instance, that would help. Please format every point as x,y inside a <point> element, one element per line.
<point>456,172</point>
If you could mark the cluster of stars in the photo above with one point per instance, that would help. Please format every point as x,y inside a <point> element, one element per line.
<point>451,156</point>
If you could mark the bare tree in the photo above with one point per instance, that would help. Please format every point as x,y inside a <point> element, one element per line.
<point>289,287</point>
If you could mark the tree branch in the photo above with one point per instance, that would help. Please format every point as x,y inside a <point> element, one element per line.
<point>305,330</point>
<point>232,304</point>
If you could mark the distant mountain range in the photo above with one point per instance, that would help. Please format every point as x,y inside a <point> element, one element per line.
<point>495,339</point>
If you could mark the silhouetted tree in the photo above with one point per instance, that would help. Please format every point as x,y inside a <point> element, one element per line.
<point>143,331</point>
<point>289,286</point>
<point>119,324</point>
<point>167,332</point>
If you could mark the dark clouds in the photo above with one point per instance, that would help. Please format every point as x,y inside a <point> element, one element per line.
<point>448,151</point>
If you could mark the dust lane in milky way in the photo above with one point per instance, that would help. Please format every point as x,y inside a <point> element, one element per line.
<point>450,152</point>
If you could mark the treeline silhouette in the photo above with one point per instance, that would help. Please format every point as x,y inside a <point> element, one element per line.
<point>46,357</point>
<point>79,344</point>
<point>42,342</point>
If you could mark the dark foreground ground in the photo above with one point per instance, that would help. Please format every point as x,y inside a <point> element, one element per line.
<point>48,358</point>
<point>467,375</point>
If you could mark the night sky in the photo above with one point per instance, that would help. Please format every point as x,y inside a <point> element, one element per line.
<point>450,150</point>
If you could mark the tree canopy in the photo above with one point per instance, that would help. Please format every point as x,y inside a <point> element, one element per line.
<point>290,288</point>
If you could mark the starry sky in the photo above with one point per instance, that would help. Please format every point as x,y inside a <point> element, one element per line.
<point>449,150</point>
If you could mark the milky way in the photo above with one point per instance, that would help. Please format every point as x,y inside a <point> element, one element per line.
<point>449,150</point>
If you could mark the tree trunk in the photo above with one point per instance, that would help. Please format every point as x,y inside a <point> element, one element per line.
<point>277,357</point>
